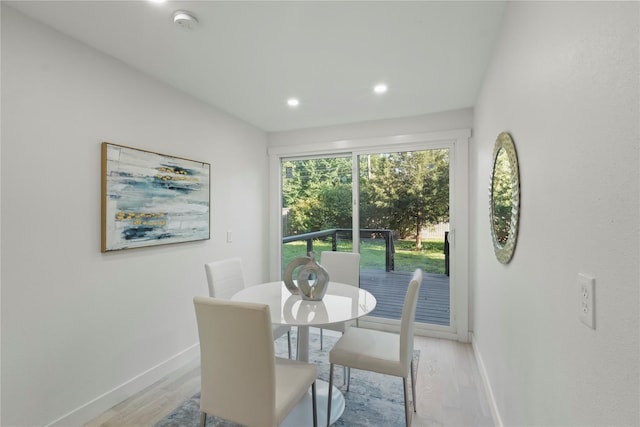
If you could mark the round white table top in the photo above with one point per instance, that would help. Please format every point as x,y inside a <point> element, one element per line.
<point>340,303</point>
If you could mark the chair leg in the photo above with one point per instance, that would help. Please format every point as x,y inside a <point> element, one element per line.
<point>329,394</point>
<point>289,342</point>
<point>320,338</point>
<point>348,377</point>
<point>413,385</point>
<point>346,374</point>
<point>203,419</point>
<point>315,407</point>
<point>407,410</point>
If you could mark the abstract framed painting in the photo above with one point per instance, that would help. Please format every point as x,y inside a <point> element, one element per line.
<point>151,199</point>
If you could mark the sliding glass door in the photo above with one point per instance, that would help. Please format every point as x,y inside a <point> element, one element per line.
<point>403,216</point>
<point>400,202</point>
<point>404,203</point>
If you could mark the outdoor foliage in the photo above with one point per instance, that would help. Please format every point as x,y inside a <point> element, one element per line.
<point>406,191</point>
<point>317,193</point>
<point>502,197</point>
<point>403,191</point>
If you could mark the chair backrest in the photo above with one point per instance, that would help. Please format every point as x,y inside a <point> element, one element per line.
<point>343,267</point>
<point>408,318</point>
<point>237,361</point>
<point>224,277</point>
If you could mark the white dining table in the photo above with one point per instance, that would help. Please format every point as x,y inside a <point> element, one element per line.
<point>341,302</point>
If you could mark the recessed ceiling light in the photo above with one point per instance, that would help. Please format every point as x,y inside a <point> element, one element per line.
<point>293,102</point>
<point>380,88</point>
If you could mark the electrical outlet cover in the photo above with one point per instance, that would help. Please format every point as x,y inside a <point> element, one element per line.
<point>586,295</point>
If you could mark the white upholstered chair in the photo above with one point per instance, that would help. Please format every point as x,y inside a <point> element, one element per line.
<point>225,278</point>
<point>241,379</point>
<point>383,352</point>
<point>343,267</point>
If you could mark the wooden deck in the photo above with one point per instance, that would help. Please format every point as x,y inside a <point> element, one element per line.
<point>389,288</point>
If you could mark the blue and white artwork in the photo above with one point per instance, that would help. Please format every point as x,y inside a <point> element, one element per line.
<point>152,199</point>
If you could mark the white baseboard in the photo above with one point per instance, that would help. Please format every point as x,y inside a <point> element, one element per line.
<point>108,400</point>
<point>495,413</point>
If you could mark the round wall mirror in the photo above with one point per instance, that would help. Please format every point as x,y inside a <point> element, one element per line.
<point>504,198</point>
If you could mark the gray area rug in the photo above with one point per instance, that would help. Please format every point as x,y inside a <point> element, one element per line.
<point>372,400</point>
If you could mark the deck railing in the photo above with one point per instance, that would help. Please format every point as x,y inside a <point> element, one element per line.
<point>347,233</point>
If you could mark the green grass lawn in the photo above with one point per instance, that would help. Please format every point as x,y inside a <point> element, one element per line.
<point>372,254</point>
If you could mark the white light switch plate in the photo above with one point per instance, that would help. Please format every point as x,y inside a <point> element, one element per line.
<point>587,298</point>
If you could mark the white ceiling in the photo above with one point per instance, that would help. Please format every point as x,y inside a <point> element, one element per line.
<point>247,58</point>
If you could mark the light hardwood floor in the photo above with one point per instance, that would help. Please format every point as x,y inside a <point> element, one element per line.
<point>449,391</point>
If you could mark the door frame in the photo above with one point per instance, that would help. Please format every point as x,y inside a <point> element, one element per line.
<point>458,142</point>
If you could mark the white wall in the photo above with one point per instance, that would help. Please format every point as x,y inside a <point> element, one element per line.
<point>77,324</point>
<point>445,121</point>
<point>564,81</point>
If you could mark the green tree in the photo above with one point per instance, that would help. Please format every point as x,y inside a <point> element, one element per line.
<point>406,191</point>
<point>402,191</point>
<point>317,193</point>
<point>502,197</point>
